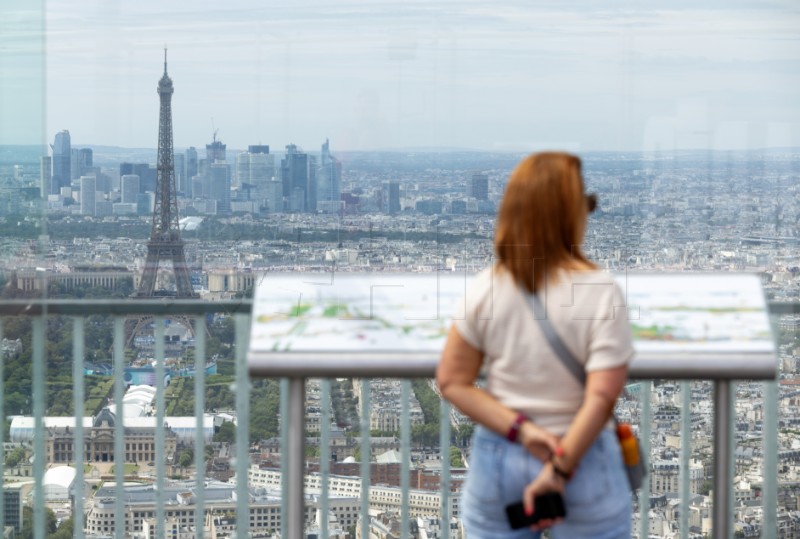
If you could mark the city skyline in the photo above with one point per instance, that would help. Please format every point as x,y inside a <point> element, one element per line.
<point>382,76</point>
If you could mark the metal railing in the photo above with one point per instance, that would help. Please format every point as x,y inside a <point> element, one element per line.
<point>293,418</point>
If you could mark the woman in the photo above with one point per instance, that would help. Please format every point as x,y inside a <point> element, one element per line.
<point>539,429</point>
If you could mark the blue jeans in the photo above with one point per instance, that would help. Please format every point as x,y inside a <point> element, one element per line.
<point>597,498</point>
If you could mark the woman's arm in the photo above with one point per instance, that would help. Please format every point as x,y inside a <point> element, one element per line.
<point>456,375</point>
<point>602,389</point>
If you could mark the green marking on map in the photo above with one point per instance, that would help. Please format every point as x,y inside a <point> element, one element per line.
<point>335,311</point>
<point>653,332</point>
<point>300,310</point>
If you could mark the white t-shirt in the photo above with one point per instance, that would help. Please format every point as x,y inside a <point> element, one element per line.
<point>587,310</point>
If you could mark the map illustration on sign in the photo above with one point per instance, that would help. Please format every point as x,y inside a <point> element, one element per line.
<point>688,314</point>
<point>358,311</point>
<point>697,312</point>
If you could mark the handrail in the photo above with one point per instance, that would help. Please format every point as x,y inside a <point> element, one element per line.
<point>167,306</point>
<point>132,306</point>
<point>410,365</point>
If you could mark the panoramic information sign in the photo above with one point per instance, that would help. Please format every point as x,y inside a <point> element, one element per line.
<point>690,325</point>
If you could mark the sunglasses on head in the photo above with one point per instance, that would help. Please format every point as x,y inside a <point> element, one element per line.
<point>591,201</point>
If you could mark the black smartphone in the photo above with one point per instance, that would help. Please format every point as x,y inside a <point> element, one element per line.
<point>548,505</point>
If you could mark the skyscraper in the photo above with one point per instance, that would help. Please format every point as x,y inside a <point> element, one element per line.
<point>62,159</point>
<point>191,170</point>
<point>85,161</point>
<point>254,168</point>
<point>478,186</point>
<point>129,186</point>
<point>329,181</point>
<point>180,172</point>
<point>88,194</point>
<point>294,175</point>
<point>258,148</point>
<point>146,173</point>
<point>390,195</point>
<point>45,175</point>
<point>215,151</point>
<point>219,187</point>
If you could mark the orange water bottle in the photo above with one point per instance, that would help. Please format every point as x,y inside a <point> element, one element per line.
<point>630,454</point>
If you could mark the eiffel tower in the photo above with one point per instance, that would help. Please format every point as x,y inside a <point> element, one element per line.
<point>165,242</point>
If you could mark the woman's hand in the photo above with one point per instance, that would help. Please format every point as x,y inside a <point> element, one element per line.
<point>547,481</point>
<point>539,442</point>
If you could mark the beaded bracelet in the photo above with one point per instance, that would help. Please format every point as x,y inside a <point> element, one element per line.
<point>513,430</point>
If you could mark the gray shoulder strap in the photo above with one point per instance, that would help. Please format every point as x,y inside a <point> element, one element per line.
<point>563,353</point>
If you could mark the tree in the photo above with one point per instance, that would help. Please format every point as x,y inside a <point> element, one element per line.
<point>64,531</point>
<point>27,522</point>
<point>456,460</point>
<point>15,457</point>
<point>226,433</point>
<point>186,459</point>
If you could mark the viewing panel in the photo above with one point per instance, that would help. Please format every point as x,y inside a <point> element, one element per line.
<point>687,325</point>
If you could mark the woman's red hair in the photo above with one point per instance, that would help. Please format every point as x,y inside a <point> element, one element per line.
<point>542,218</point>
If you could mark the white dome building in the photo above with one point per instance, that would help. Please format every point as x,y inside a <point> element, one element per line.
<point>58,482</point>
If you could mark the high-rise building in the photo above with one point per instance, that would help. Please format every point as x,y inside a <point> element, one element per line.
<point>180,172</point>
<point>215,151</point>
<point>219,187</point>
<point>146,173</point>
<point>74,173</point>
<point>129,187</point>
<point>329,181</point>
<point>294,175</point>
<point>85,161</point>
<point>62,162</point>
<point>390,197</point>
<point>255,168</point>
<point>88,194</point>
<point>45,175</point>
<point>12,507</point>
<point>191,170</point>
<point>258,148</point>
<point>478,186</point>
<point>273,198</point>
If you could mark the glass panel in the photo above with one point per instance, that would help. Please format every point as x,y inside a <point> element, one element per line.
<point>685,115</point>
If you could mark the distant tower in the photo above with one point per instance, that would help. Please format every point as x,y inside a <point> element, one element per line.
<point>478,186</point>
<point>62,162</point>
<point>88,194</point>
<point>165,242</point>
<point>329,181</point>
<point>45,176</point>
<point>294,175</point>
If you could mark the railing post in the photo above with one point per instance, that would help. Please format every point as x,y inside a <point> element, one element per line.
<point>119,428</point>
<point>39,407</point>
<point>78,392</point>
<point>644,492</point>
<point>366,455</point>
<point>325,453</point>
<point>405,479</point>
<point>199,414</point>
<point>686,453</point>
<point>722,458</point>
<point>296,458</point>
<point>241,323</point>
<point>161,411</point>
<point>769,488</point>
<point>444,451</point>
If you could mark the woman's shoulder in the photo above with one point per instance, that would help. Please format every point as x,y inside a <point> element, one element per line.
<point>589,286</point>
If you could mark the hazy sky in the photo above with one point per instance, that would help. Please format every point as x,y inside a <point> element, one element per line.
<point>516,75</point>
